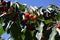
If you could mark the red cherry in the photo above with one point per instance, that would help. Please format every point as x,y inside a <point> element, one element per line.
<point>58,26</point>
<point>30,28</point>
<point>3,3</point>
<point>35,17</point>
<point>1,7</point>
<point>42,37</point>
<point>5,9</point>
<point>31,15</point>
<point>26,14</point>
<point>11,9</point>
<point>25,20</point>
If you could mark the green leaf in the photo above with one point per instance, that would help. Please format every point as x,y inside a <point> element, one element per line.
<point>24,31</point>
<point>1,30</point>
<point>48,21</point>
<point>41,17</point>
<point>23,37</point>
<point>14,5</point>
<point>58,17</point>
<point>22,7</point>
<point>35,13</point>
<point>28,35</point>
<point>1,20</point>
<point>32,33</point>
<point>53,6</point>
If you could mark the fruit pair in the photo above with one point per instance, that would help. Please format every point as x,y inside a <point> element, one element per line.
<point>31,16</point>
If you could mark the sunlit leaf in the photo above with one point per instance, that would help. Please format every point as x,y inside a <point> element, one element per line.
<point>48,21</point>
<point>58,17</point>
<point>1,30</point>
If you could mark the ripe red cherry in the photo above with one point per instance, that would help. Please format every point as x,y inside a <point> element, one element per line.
<point>25,20</point>
<point>58,26</point>
<point>31,15</point>
<point>26,14</point>
<point>35,17</point>
<point>3,3</point>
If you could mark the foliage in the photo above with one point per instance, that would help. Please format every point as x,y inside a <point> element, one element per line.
<point>32,23</point>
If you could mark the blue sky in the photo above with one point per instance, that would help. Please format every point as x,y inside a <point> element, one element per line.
<point>37,3</point>
<point>5,36</point>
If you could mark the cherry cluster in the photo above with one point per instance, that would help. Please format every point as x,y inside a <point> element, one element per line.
<point>2,4</point>
<point>30,17</point>
<point>5,7</point>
